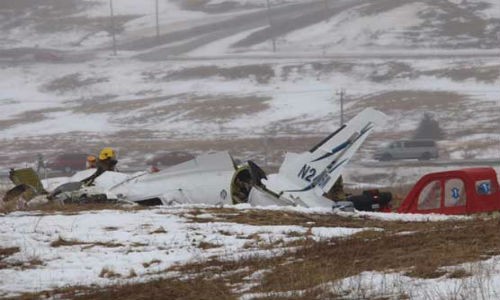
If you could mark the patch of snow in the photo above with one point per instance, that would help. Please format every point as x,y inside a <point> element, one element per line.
<point>349,30</point>
<point>483,283</point>
<point>63,122</point>
<point>402,217</point>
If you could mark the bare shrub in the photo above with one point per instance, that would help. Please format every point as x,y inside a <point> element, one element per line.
<point>159,230</point>
<point>106,272</point>
<point>153,262</point>
<point>60,242</point>
<point>207,245</point>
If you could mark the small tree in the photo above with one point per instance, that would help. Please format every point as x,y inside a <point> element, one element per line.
<point>428,129</point>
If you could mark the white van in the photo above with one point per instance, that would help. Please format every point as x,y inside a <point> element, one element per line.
<point>408,149</point>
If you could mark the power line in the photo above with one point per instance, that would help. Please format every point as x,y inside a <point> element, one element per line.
<point>157,21</point>
<point>271,27</point>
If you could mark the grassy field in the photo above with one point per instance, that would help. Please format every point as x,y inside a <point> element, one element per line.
<point>305,268</point>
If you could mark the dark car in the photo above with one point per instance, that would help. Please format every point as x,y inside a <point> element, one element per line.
<point>167,159</point>
<point>68,162</point>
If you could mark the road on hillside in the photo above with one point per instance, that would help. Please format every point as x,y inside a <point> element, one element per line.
<point>284,19</point>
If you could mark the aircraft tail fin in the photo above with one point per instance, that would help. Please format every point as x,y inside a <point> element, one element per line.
<point>319,168</point>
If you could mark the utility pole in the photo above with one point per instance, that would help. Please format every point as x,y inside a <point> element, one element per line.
<point>270,21</point>
<point>157,22</point>
<point>342,95</point>
<point>326,10</point>
<point>112,26</point>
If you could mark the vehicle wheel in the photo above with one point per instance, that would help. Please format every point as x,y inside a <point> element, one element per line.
<point>425,156</point>
<point>386,157</point>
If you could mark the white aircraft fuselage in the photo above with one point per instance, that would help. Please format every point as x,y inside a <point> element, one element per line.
<point>303,179</point>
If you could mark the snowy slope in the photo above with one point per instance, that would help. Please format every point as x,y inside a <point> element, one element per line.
<point>372,49</point>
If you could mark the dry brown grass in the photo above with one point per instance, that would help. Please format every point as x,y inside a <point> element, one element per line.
<point>29,263</point>
<point>425,252</point>
<point>159,230</point>
<point>71,82</point>
<point>108,273</point>
<point>207,245</point>
<point>61,242</point>
<point>190,288</point>
<point>486,74</point>
<point>117,106</point>
<point>203,109</point>
<point>411,100</point>
<point>5,252</point>
<point>269,217</point>
<point>422,253</point>
<point>261,73</point>
<point>111,228</point>
<point>150,263</point>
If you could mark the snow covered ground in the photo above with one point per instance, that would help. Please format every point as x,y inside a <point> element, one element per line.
<point>121,241</point>
<point>106,247</point>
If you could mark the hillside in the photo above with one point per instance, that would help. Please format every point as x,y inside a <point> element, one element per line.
<point>211,72</point>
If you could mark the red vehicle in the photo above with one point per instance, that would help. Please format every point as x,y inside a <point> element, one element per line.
<point>464,191</point>
<point>68,162</point>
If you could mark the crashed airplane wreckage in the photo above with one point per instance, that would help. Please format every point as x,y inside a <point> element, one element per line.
<point>302,180</point>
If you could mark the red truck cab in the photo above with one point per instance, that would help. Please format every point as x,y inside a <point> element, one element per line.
<point>463,191</point>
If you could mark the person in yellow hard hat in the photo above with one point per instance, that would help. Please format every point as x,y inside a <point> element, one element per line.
<point>106,162</point>
<point>107,159</point>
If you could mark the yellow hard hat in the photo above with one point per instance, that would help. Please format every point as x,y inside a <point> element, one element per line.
<point>107,153</point>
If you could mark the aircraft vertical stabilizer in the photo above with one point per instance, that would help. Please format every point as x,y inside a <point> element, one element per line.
<point>319,168</point>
